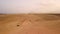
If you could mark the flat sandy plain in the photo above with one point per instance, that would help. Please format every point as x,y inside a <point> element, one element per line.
<point>29,23</point>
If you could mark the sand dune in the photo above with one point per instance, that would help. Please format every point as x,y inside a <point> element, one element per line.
<point>30,24</point>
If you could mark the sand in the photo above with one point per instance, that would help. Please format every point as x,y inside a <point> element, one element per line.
<point>29,23</point>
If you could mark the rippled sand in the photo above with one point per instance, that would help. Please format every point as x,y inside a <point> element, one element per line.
<point>30,24</point>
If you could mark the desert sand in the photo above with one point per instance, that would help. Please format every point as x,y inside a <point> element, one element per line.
<point>30,24</point>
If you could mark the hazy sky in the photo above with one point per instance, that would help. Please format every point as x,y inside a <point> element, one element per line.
<point>29,6</point>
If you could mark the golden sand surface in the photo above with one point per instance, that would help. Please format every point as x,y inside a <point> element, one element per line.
<point>29,23</point>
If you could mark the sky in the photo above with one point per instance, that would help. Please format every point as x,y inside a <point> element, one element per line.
<point>29,6</point>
